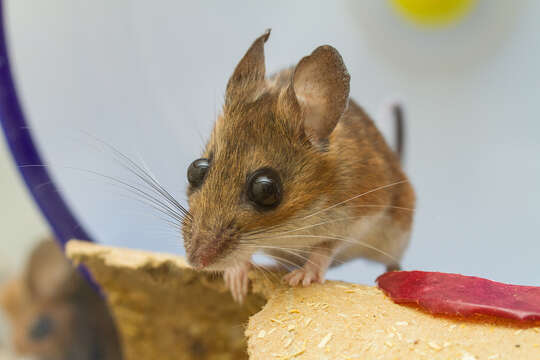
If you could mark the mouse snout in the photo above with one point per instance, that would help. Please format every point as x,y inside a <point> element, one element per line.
<point>196,257</point>
<point>208,249</point>
<point>205,252</point>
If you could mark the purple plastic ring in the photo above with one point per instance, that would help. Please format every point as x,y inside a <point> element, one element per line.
<point>24,151</point>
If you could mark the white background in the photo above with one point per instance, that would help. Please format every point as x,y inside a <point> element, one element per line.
<point>148,77</point>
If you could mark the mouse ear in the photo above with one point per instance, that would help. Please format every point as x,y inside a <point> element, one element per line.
<point>48,272</point>
<point>248,77</point>
<point>321,86</point>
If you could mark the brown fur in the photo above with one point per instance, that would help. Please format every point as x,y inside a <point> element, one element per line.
<point>326,150</point>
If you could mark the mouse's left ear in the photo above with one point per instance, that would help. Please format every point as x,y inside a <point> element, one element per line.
<point>248,77</point>
<point>321,87</point>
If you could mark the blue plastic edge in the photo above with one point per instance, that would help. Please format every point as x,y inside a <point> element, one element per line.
<point>27,159</point>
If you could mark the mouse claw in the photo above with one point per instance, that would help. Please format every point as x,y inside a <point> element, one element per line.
<point>236,279</point>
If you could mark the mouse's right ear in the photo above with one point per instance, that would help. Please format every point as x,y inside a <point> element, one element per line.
<point>248,77</point>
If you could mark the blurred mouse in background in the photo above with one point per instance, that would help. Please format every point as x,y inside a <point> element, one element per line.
<point>54,313</point>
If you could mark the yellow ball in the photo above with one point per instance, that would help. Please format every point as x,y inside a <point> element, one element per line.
<point>434,12</point>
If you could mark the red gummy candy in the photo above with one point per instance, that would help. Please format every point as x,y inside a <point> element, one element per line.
<point>453,294</point>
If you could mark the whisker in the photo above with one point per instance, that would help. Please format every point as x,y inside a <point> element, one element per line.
<point>306,259</point>
<point>176,224</point>
<point>356,197</point>
<point>293,253</point>
<point>334,237</point>
<point>170,211</point>
<point>281,262</point>
<point>32,165</point>
<point>382,206</point>
<point>140,173</point>
<point>265,230</point>
<point>157,204</point>
<point>265,272</point>
<point>308,226</point>
<point>306,250</point>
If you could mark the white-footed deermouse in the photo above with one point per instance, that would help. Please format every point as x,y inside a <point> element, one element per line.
<point>295,169</point>
<point>55,314</point>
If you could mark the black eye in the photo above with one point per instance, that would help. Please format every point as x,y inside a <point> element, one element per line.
<point>197,172</point>
<point>264,188</point>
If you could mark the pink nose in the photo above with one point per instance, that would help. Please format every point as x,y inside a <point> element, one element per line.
<point>194,260</point>
<point>204,255</point>
<point>199,263</point>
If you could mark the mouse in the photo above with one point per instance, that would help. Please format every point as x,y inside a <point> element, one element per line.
<point>54,313</point>
<point>297,170</point>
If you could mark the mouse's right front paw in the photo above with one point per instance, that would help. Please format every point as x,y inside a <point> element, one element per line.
<point>236,279</point>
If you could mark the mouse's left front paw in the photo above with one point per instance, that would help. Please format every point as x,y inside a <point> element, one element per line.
<point>236,279</point>
<point>305,276</point>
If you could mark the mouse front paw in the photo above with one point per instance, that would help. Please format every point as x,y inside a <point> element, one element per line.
<point>305,276</point>
<point>236,279</point>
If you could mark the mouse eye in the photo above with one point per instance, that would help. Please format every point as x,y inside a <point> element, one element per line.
<point>264,188</point>
<point>41,328</point>
<point>197,172</point>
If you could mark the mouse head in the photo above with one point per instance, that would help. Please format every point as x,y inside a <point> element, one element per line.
<point>36,304</point>
<point>266,162</point>
<point>53,312</point>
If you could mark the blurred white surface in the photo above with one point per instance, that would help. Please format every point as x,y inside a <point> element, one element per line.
<point>148,78</point>
<point>21,224</point>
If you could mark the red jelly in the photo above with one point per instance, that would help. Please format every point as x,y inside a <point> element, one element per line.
<point>453,294</point>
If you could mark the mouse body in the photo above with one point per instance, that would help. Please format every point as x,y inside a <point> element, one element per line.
<point>297,170</point>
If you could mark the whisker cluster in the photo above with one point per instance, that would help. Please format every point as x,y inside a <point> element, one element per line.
<point>148,191</point>
<point>254,240</point>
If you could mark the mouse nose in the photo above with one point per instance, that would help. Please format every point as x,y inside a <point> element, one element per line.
<point>204,252</point>
<point>200,261</point>
<point>193,260</point>
<point>208,248</point>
